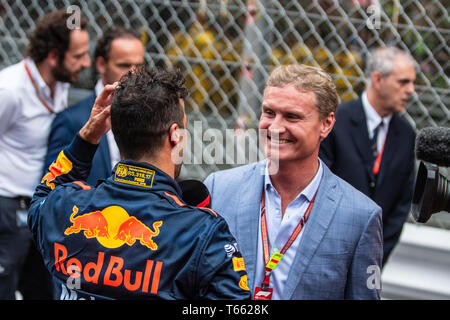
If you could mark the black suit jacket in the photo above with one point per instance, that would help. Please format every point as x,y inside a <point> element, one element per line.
<point>65,126</point>
<point>346,151</point>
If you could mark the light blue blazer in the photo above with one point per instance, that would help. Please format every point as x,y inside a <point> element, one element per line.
<point>340,252</point>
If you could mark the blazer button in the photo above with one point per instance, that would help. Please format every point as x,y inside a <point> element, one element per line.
<point>372,184</point>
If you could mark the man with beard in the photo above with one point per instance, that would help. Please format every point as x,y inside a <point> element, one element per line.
<point>117,51</point>
<point>131,236</point>
<point>31,92</point>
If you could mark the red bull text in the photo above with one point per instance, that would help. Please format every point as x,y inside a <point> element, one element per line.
<point>114,274</point>
<point>112,227</point>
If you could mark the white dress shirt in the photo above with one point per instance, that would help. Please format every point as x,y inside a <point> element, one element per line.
<point>373,120</point>
<point>280,229</point>
<point>113,148</point>
<point>24,127</point>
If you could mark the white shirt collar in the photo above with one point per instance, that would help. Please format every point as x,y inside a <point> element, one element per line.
<point>309,191</point>
<point>42,86</point>
<point>373,119</point>
<point>36,75</point>
<point>99,87</point>
<point>61,89</point>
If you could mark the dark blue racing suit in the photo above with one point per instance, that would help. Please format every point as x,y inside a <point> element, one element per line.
<point>130,237</point>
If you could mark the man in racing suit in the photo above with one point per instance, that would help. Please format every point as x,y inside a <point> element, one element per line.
<point>131,237</point>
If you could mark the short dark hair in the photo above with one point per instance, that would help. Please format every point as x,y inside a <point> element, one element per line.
<point>51,32</point>
<point>145,105</point>
<point>104,44</point>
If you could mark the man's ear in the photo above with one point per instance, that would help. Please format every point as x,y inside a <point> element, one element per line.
<point>100,65</point>
<point>175,136</point>
<point>376,78</point>
<point>327,125</point>
<point>177,140</point>
<point>53,58</point>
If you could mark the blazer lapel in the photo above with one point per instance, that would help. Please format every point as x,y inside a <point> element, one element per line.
<point>393,141</point>
<point>360,136</point>
<point>321,216</point>
<point>103,148</point>
<point>248,217</point>
<point>105,156</point>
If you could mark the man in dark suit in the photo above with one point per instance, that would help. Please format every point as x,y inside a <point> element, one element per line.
<point>118,51</point>
<point>372,147</point>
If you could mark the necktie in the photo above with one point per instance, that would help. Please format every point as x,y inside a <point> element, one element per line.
<point>373,141</point>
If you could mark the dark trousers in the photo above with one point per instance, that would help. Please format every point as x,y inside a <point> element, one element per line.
<point>21,265</point>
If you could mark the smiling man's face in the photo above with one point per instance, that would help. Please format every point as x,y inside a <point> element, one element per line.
<point>293,114</point>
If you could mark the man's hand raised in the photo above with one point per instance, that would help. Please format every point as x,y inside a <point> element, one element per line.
<point>99,122</point>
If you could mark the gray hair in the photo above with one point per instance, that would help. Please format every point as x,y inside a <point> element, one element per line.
<point>382,60</point>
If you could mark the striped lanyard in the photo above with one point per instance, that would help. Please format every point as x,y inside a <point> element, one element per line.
<point>377,163</point>
<point>272,262</point>
<point>33,82</point>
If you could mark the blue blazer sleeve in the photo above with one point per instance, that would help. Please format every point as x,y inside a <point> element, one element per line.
<point>61,134</point>
<point>65,126</point>
<point>364,278</point>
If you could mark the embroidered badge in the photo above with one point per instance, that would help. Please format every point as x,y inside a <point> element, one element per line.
<point>243,283</point>
<point>62,165</point>
<point>136,176</point>
<point>238,264</point>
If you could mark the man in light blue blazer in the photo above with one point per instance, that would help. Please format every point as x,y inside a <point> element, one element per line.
<point>303,232</point>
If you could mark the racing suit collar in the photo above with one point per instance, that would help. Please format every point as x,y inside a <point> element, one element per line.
<point>143,176</point>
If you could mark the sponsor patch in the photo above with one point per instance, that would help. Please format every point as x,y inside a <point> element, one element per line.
<point>238,264</point>
<point>62,165</point>
<point>243,283</point>
<point>136,176</point>
<point>230,249</point>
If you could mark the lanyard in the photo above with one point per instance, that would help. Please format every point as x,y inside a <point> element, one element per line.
<point>271,263</point>
<point>33,82</point>
<point>377,163</point>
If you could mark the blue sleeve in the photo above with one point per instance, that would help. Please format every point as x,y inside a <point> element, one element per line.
<point>61,134</point>
<point>72,164</point>
<point>364,277</point>
<point>221,272</point>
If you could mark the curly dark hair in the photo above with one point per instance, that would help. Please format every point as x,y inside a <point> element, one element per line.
<point>145,105</point>
<point>51,33</point>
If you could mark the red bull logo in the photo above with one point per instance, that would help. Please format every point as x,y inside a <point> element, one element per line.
<point>93,224</point>
<point>109,271</point>
<point>113,227</point>
<point>62,165</point>
<point>132,230</point>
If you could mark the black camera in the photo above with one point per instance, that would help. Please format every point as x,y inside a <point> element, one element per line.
<point>432,189</point>
<point>431,194</point>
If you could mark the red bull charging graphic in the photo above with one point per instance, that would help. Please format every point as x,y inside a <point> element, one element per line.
<point>113,227</point>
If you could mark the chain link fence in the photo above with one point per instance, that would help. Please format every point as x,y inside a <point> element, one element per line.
<point>227,48</point>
